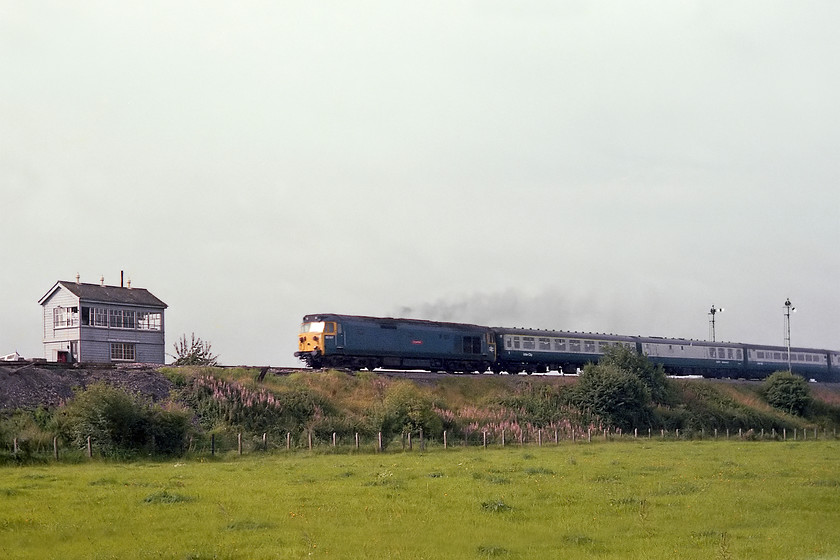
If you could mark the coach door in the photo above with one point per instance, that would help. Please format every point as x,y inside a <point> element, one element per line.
<point>491,346</point>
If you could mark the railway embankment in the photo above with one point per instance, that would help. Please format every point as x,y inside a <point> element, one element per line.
<point>34,384</point>
<point>162,408</point>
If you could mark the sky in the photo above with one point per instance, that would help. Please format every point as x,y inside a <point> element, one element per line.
<point>603,166</point>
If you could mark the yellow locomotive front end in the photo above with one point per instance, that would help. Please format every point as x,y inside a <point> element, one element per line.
<point>312,341</point>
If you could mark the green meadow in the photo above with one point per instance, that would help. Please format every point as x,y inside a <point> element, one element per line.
<point>626,499</point>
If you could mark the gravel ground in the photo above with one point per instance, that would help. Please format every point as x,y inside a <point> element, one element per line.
<point>34,384</point>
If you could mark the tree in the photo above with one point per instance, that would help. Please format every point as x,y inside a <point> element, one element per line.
<point>194,352</point>
<point>788,392</point>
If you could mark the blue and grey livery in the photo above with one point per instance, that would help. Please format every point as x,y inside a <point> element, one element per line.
<point>331,340</point>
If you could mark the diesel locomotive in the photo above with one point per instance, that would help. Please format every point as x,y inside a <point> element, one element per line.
<point>358,342</point>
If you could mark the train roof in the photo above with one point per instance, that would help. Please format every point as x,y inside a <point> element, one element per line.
<point>651,339</point>
<point>565,334</point>
<point>390,320</point>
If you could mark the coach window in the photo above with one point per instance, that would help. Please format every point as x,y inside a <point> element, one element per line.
<point>329,328</point>
<point>516,342</point>
<point>712,353</point>
<point>559,344</point>
<point>729,353</point>
<point>574,345</point>
<point>589,346</point>
<point>545,344</point>
<point>528,343</point>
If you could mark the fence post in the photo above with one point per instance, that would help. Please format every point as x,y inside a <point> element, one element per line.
<point>784,434</point>
<point>212,445</point>
<point>422,443</point>
<point>410,446</point>
<point>89,448</point>
<point>15,446</point>
<point>55,448</point>
<point>635,433</point>
<point>662,434</point>
<point>539,437</point>
<point>288,440</point>
<point>265,441</point>
<point>357,440</point>
<point>556,438</point>
<point>379,446</point>
<point>677,433</point>
<point>727,433</point>
<point>333,439</point>
<point>444,439</point>
<point>589,435</point>
<point>485,439</point>
<point>239,443</point>
<point>309,439</point>
<point>715,433</point>
<point>503,438</point>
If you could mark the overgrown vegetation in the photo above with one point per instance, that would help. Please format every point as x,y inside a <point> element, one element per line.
<point>193,352</point>
<point>787,392</point>
<point>622,392</point>
<point>122,424</point>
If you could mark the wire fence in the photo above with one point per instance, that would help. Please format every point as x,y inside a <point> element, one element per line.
<point>225,444</point>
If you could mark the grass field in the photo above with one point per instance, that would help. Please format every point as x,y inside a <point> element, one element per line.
<point>640,499</point>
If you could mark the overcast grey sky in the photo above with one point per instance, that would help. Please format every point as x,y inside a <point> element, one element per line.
<point>602,166</point>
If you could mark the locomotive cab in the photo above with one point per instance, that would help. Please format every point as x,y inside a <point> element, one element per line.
<point>316,339</point>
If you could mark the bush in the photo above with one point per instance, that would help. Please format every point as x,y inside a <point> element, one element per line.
<point>120,423</point>
<point>619,398</point>
<point>406,409</point>
<point>788,392</point>
<point>650,374</point>
<point>194,352</point>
